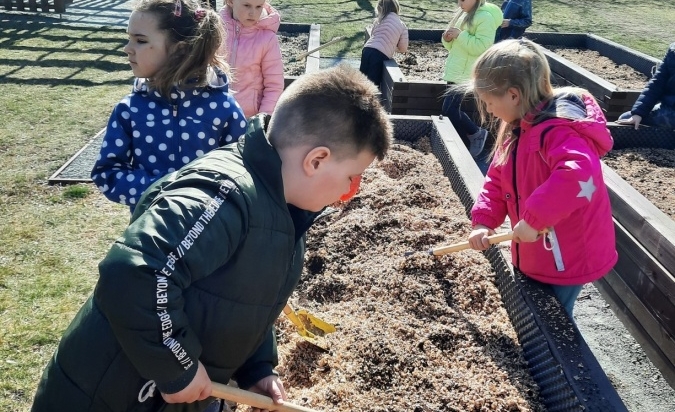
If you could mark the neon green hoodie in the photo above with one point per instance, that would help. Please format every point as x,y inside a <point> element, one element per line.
<point>471,43</point>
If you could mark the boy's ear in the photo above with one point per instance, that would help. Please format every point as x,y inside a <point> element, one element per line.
<point>314,159</point>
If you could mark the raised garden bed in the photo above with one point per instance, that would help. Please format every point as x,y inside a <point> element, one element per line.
<point>424,333</point>
<point>294,38</point>
<point>417,95</point>
<point>612,98</point>
<point>641,288</point>
<point>311,62</point>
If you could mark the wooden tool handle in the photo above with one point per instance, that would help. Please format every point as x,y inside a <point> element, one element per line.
<point>307,53</point>
<point>253,399</point>
<point>293,317</point>
<point>444,250</point>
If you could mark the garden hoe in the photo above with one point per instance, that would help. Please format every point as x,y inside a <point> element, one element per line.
<point>444,250</point>
<point>311,328</point>
<point>301,56</point>
<point>241,396</point>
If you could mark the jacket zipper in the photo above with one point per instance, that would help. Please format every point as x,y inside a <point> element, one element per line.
<point>515,193</point>
<point>235,45</point>
<point>176,131</point>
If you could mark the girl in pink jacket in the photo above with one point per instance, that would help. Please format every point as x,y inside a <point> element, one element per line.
<point>545,173</point>
<point>252,50</point>
<point>389,35</point>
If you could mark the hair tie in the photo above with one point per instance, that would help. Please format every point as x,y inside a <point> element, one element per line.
<point>200,13</point>
<point>177,8</point>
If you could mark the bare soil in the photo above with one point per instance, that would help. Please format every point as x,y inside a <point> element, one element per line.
<point>415,333</point>
<point>621,75</point>
<point>425,60</point>
<point>291,45</point>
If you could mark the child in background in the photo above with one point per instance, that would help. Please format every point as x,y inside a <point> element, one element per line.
<point>191,290</point>
<point>253,51</point>
<point>517,18</point>
<point>545,173</point>
<point>470,32</point>
<point>389,34</point>
<point>179,108</point>
<point>656,104</point>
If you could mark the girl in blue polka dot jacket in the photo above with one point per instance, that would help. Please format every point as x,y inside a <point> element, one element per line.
<point>180,106</point>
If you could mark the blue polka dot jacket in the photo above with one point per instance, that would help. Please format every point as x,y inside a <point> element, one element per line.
<point>149,136</point>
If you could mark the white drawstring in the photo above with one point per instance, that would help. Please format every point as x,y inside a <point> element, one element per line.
<point>551,244</point>
<point>150,386</point>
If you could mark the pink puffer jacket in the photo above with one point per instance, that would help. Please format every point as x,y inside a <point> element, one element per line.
<point>553,179</point>
<point>255,58</point>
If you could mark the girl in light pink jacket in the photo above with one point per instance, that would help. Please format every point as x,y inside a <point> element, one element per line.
<point>252,50</point>
<point>389,35</point>
<point>546,173</point>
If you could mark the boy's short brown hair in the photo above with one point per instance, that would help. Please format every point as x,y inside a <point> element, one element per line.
<point>338,108</point>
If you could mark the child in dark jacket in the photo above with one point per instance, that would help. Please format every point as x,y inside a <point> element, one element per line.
<point>656,104</point>
<point>179,108</point>
<point>546,173</point>
<point>190,292</point>
<point>517,18</point>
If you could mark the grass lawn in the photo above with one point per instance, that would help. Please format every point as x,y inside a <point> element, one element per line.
<point>60,83</point>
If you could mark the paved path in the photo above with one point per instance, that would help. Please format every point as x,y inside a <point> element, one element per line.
<point>112,13</point>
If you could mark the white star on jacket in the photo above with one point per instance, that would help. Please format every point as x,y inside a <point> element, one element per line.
<point>587,188</point>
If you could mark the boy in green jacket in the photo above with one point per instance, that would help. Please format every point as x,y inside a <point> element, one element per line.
<point>190,292</point>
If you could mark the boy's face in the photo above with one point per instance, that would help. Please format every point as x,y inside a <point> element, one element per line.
<point>330,178</point>
<point>147,46</point>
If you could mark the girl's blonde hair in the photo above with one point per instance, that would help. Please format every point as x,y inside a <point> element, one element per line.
<point>385,7</point>
<point>194,35</point>
<point>468,20</point>
<point>519,64</point>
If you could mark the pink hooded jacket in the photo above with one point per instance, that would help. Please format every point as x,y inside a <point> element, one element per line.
<point>553,179</point>
<point>255,57</point>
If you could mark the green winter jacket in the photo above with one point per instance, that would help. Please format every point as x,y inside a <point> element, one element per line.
<point>205,267</point>
<point>471,43</point>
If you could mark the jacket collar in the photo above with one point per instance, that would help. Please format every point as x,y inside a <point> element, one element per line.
<point>263,158</point>
<point>265,163</point>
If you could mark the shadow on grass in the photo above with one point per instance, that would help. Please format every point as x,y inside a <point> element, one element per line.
<point>31,46</point>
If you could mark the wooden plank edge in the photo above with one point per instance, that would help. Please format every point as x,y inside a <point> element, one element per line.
<point>650,348</point>
<point>313,61</point>
<point>649,225</point>
<point>54,179</point>
<point>651,283</point>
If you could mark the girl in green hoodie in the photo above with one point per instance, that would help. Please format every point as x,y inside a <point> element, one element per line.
<point>470,32</point>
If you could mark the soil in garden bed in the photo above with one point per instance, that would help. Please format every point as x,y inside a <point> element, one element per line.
<point>425,60</point>
<point>417,333</point>
<point>293,44</point>
<point>621,75</point>
<point>650,171</point>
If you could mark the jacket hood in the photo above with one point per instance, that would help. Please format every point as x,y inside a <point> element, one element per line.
<point>494,12</point>
<point>269,20</point>
<point>215,77</point>
<point>580,112</point>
